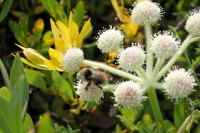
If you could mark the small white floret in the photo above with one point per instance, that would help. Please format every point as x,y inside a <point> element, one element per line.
<point>110,40</point>
<point>129,95</point>
<point>179,83</point>
<point>72,59</point>
<point>165,45</point>
<point>91,93</point>
<point>145,12</point>
<point>131,58</point>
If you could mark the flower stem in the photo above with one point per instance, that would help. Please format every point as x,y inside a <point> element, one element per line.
<point>190,64</point>
<point>112,70</point>
<point>149,61</point>
<point>141,73</point>
<point>156,109</point>
<point>175,57</point>
<point>157,67</point>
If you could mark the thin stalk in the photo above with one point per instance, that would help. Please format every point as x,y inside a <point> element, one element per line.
<point>141,73</point>
<point>109,87</point>
<point>149,60</point>
<point>157,85</point>
<point>112,70</point>
<point>155,107</point>
<point>190,64</point>
<point>175,57</point>
<point>157,67</point>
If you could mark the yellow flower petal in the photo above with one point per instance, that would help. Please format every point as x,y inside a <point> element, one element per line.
<point>33,56</point>
<point>50,64</point>
<point>130,29</point>
<point>60,46</point>
<point>73,28</point>
<point>75,35</point>
<point>116,7</point>
<point>87,26</point>
<point>65,33</point>
<point>55,57</point>
<point>55,30</point>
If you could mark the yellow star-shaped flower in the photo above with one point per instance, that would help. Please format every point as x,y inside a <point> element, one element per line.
<point>65,37</point>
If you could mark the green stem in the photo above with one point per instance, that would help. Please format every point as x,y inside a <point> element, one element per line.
<point>175,57</point>
<point>157,67</point>
<point>112,70</point>
<point>149,61</point>
<point>190,64</point>
<point>155,107</point>
<point>141,73</point>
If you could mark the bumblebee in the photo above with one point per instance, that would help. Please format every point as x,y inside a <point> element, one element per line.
<point>94,76</point>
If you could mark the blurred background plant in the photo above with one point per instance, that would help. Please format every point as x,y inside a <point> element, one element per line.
<point>45,100</point>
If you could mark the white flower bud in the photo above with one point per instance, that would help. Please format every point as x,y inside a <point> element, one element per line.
<point>131,58</point>
<point>129,94</point>
<point>179,83</point>
<point>110,40</point>
<point>91,93</point>
<point>164,45</point>
<point>145,12</point>
<point>193,24</point>
<point>72,59</point>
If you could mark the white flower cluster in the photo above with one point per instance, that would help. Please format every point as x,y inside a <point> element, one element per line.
<point>164,45</point>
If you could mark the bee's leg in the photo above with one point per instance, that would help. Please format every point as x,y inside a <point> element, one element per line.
<point>99,86</point>
<point>88,84</point>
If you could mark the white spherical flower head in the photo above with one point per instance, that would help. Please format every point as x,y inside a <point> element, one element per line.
<point>193,24</point>
<point>145,12</point>
<point>131,58</point>
<point>129,94</point>
<point>110,40</point>
<point>164,45</point>
<point>72,59</point>
<point>91,93</point>
<point>179,83</point>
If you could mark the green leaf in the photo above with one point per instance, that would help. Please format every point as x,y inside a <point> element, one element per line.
<point>169,126</point>
<point>174,32</point>
<point>118,128</point>
<point>62,86</point>
<point>34,78</point>
<point>4,93</point>
<point>5,76</point>
<point>18,104</point>
<point>179,114</point>
<point>5,119</point>
<point>5,10</point>
<point>20,95</point>
<point>79,13</point>
<point>59,129</point>
<point>195,62</point>
<point>17,70</point>
<point>197,130</point>
<point>28,123</point>
<point>45,124</point>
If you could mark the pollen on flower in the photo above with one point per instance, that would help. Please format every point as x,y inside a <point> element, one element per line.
<point>110,40</point>
<point>164,45</point>
<point>72,59</point>
<point>179,83</point>
<point>131,58</point>
<point>145,12</point>
<point>129,94</point>
<point>193,24</point>
<point>91,93</point>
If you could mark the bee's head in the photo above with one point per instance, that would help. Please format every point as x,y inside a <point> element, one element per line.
<point>84,73</point>
<point>87,73</point>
